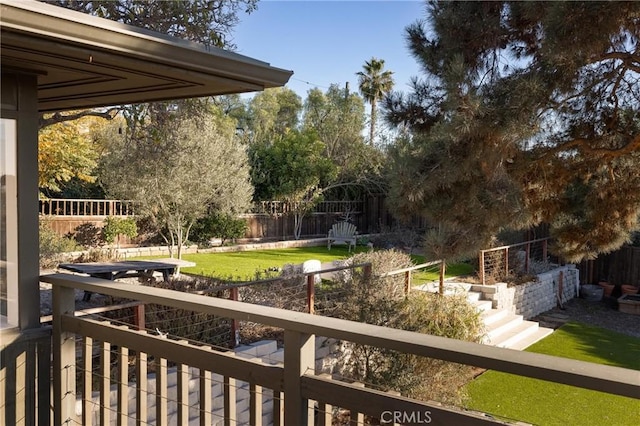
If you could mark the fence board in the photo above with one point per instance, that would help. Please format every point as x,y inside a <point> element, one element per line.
<point>619,267</point>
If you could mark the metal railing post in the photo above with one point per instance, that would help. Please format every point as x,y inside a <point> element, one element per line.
<point>481,267</point>
<point>506,262</point>
<point>407,282</point>
<point>311,293</point>
<point>235,325</point>
<point>139,317</point>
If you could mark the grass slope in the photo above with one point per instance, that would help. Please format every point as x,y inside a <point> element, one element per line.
<point>545,403</point>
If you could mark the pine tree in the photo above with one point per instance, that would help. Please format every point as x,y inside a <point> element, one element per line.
<point>528,113</point>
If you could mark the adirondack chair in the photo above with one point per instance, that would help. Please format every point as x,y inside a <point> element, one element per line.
<point>342,233</point>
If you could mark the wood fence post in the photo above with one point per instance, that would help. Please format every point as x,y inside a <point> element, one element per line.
<point>526,260</point>
<point>235,326</point>
<point>481,267</point>
<point>544,250</point>
<point>311,293</point>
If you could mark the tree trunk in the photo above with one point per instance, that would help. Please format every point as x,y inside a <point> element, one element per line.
<point>372,126</point>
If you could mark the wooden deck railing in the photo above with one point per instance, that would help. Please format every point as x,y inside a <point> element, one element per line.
<point>293,384</point>
<point>85,207</point>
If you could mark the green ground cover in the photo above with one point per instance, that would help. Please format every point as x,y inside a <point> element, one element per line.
<point>243,265</point>
<point>545,403</point>
<point>433,273</point>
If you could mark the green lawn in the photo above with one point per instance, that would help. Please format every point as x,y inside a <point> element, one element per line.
<point>432,273</point>
<point>243,265</point>
<point>545,403</point>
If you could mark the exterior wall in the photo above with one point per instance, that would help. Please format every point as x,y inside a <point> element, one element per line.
<point>533,298</point>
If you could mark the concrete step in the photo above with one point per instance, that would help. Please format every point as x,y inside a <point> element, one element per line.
<point>492,315</point>
<point>502,325</point>
<point>530,339</point>
<point>483,305</point>
<point>473,296</point>
<point>510,337</point>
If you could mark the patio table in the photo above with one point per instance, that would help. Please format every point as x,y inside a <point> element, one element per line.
<point>127,269</point>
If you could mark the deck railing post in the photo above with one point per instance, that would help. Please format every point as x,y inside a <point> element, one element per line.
<point>299,359</point>
<point>64,359</point>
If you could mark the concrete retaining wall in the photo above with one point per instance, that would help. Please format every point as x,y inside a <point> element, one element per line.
<point>533,298</point>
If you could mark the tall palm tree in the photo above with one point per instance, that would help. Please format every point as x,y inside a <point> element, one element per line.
<point>374,83</point>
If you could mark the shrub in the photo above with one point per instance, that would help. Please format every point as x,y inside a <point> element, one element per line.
<point>115,226</point>
<point>88,235</point>
<point>218,225</point>
<point>52,245</point>
<point>380,301</point>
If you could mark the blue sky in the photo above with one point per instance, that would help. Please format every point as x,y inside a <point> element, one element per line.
<point>326,42</point>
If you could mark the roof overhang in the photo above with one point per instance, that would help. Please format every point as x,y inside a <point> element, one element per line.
<point>83,61</point>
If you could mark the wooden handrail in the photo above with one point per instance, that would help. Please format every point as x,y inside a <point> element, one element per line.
<point>615,380</point>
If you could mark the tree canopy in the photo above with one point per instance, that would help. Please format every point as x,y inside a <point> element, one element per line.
<point>177,167</point>
<point>374,82</point>
<point>528,113</point>
<point>66,152</point>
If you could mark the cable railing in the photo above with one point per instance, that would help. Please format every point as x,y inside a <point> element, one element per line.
<point>502,263</point>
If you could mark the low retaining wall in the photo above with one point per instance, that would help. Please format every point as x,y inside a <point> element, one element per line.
<point>129,252</point>
<point>533,298</point>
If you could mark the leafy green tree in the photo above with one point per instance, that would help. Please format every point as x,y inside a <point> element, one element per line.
<point>527,114</point>
<point>272,113</point>
<point>293,169</point>
<point>338,117</point>
<point>218,225</point>
<point>208,22</point>
<point>374,82</point>
<point>65,152</point>
<point>116,226</point>
<point>178,167</point>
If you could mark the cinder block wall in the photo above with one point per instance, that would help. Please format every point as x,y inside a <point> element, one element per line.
<point>533,298</point>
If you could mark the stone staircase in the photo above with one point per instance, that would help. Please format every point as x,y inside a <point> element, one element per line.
<point>503,328</point>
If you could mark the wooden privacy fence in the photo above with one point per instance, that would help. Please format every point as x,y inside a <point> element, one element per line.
<point>620,267</point>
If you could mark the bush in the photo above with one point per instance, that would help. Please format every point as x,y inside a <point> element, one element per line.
<point>52,245</point>
<point>381,301</point>
<point>88,235</point>
<point>218,225</point>
<point>116,226</point>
